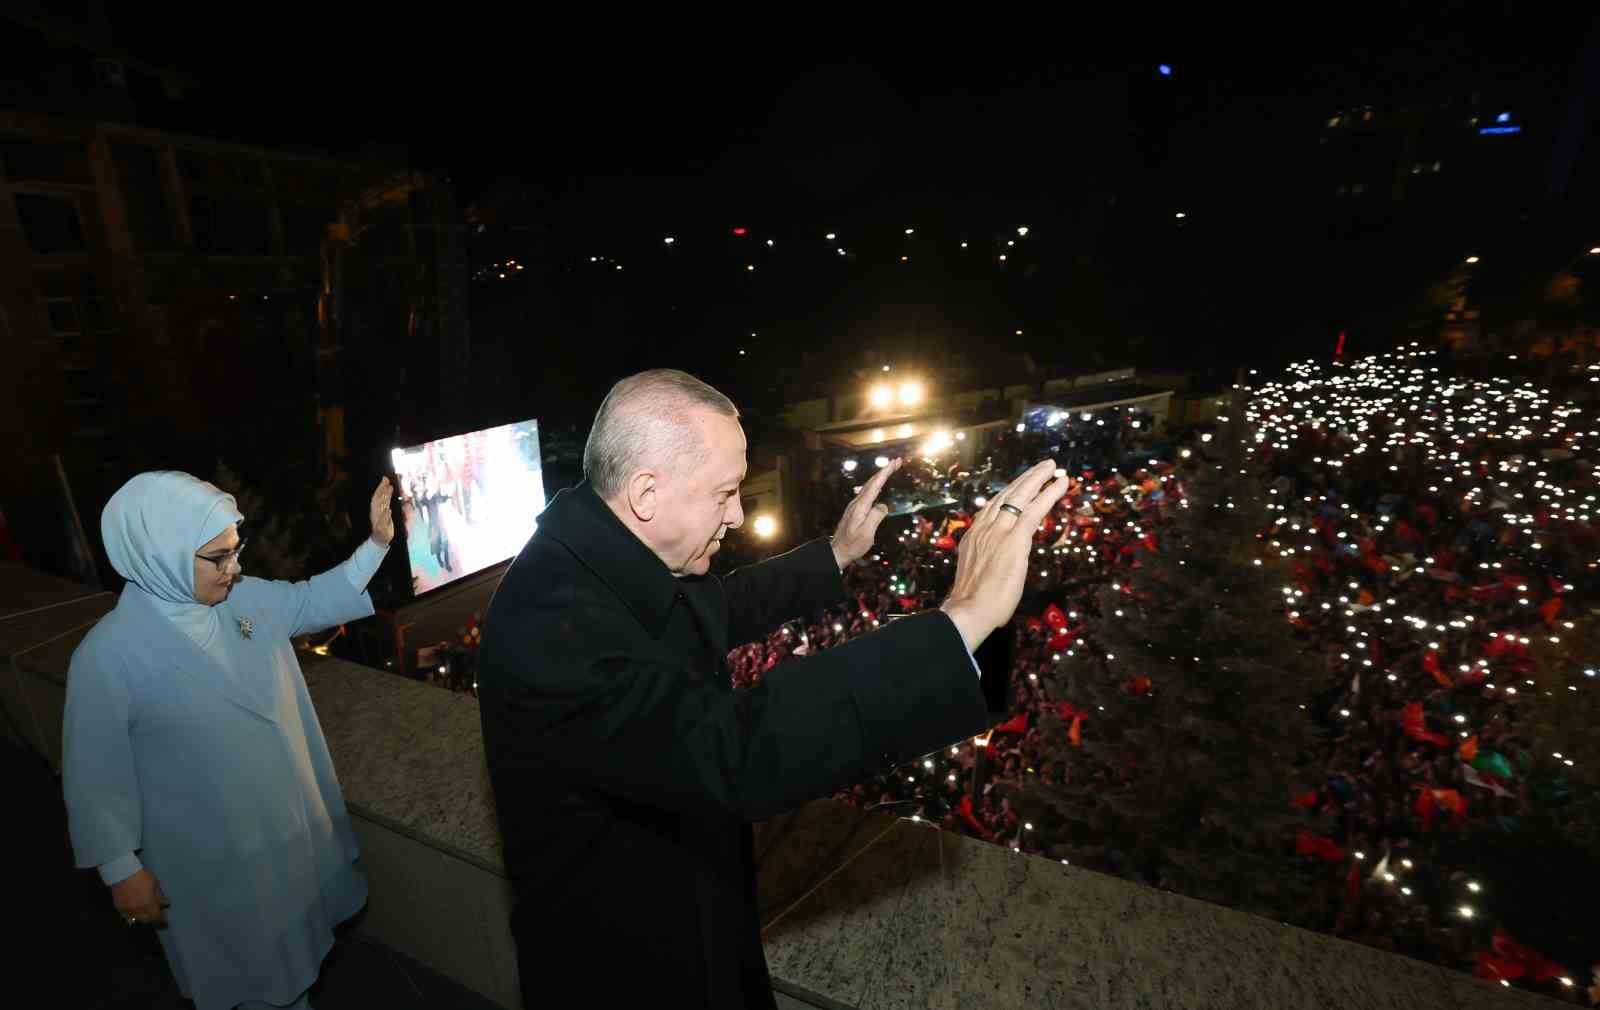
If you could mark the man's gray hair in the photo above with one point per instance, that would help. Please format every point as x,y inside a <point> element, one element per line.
<point>644,422</point>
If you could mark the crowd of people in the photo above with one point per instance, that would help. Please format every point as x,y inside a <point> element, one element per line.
<point>1436,532</point>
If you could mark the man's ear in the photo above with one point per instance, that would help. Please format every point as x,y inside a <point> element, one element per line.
<point>642,495</point>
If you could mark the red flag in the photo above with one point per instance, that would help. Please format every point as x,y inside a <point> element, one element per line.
<point>965,809</point>
<point>1059,641</point>
<point>1307,800</point>
<point>1075,732</point>
<point>1430,662</point>
<point>1307,844</point>
<point>1149,542</point>
<point>1468,749</point>
<point>1034,624</point>
<point>945,543</point>
<point>1054,617</point>
<point>1549,609</point>
<point>1539,967</point>
<point>1067,710</point>
<point>1424,808</point>
<point>1416,727</point>
<point>1016,724</point>
<point>1139,685</point>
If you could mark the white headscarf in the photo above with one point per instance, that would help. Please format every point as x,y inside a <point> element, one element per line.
<point>152,528</point>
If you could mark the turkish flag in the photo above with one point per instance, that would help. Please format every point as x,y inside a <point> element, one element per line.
<point>1549,609</point>
<point>945,543</point>
<point>1307,844</point>
<point>1416,727</point>
<point>1054,617</point>
<point>1067,710</point>
<point>1016,724</point>
<point>1059,641</point>
<point>1139,685</point>
<point>1469,748</point>
<point>1430,662</point>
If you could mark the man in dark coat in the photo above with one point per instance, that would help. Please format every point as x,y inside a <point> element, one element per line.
<point>626,770</point>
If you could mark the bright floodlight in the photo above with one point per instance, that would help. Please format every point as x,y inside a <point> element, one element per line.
<point>882,397</point>
<point>765,526</point>
<point>911,393</point>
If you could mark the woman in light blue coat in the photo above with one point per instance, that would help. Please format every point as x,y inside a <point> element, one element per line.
<point>196,775</point>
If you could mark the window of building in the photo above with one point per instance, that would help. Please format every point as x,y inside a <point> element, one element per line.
<point>304,227</point>
<point>50,222</point>
<point>144,194</point>
<point>26,159</point>
<point>230,227</point>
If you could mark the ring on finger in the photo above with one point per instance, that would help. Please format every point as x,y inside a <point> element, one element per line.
<point>1008,507</point>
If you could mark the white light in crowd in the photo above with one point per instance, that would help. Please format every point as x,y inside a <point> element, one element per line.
<point>1085,416</point>
<point>669,240</point>
<point>882,397</point>
<point>841,252</point>
<point>911,393</point>
<point>1023,231</point>
<point>1466,911</point>
<point>849,466</point>
<point>830,236</point>
<point>1180,215</point>
<point>1472,259</point>
<point>769,243</point>
<point>1474,886</point>
<point>960,435</point>
<point>1186,454</point>
<point>1206,437</point>
<point>911,231</point>
<point>963,245</point>
<point>882,461</point>
<point>1019,428</point>
<point>765,526</point>
<point>980,501</point>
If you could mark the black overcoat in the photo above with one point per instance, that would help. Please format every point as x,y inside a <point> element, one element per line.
<point>627,771</point>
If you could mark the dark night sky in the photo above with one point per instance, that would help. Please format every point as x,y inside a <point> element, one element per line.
<point>635,134</point>
<point>744,122</point>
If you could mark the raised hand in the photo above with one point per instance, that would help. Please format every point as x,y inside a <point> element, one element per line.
<point>858,527</point>
<point>992,561</point>
<point>382,514</point>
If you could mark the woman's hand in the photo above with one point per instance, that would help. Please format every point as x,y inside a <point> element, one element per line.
<point>382,515</point>
<point>139,898</point>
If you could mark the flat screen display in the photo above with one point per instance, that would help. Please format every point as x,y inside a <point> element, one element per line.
<point>469,501</point>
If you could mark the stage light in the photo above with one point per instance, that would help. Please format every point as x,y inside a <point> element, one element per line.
<point>882,397</point>
<point>911,393</point>
<point>1164,70</point>
<point>765,526</point>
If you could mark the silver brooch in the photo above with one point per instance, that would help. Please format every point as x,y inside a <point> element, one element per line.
<point>245,627</point>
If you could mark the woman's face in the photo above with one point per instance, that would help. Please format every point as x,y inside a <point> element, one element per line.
<point>212,582</point>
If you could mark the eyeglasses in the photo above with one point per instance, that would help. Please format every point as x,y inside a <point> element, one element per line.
<point>221,560</point>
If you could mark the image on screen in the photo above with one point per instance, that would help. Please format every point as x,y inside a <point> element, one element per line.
<point>469,501</point>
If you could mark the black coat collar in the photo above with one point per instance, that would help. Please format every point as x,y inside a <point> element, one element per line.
<point>586,525</point>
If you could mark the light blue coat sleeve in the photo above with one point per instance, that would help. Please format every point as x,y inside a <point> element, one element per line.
<point>99,780</point>
<point>334,597</point>
<point>120,869</point>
